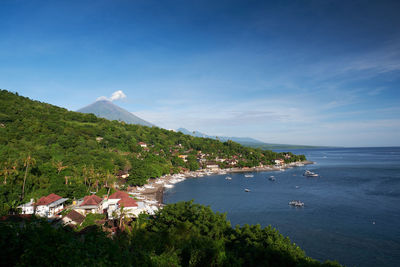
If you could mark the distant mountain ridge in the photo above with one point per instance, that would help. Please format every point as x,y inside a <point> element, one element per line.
<point>221,138</point>
<point>107,110</point>
<point>245,141</point>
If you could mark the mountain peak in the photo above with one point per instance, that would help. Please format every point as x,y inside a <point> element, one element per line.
<point>104,108</point>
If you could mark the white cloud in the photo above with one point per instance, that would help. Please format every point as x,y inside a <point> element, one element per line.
<point>115,96</point>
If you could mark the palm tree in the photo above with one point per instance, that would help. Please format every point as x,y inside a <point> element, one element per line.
<point>28,161</point>
<point>7,170</point>
<point>59,166</point>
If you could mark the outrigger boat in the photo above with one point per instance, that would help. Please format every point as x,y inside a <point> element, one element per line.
<point>296,203</point>
<point>310,174</point>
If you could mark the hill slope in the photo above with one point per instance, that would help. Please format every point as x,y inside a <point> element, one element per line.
<point>106,109</point>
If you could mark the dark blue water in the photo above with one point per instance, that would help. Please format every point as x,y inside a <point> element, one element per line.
<point>351,213</point>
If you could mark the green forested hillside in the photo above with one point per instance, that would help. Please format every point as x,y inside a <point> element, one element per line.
<point>45,148</point>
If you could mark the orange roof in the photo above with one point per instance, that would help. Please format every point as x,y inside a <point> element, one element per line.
<point>127,202</point>
<point>47,200</point>
<point>91,200</point>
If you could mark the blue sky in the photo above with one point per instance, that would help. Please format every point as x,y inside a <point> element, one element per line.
<point>296,72</point>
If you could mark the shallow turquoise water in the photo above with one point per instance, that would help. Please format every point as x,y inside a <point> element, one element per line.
<point>351,213</point>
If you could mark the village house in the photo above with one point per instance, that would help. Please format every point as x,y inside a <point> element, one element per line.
<point>28,208</point>
<point>116,201</point>
<point>142,144</point>
<point>122,174</point>
<point>220,160</point>
<point>232,162</point>
<point>212,166</point>
<point>47,206</point>
<point>279,162</point>
<point>73,218</point>
<point>90,204</point>
<point>184,157</point>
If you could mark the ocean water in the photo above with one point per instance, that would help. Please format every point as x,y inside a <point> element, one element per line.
<point>351,213</point>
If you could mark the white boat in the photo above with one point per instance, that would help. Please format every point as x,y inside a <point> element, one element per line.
<point>228,178</point>
<point>247,190</point>
<point>249,175</point>
<point>296,203</point>
<point>272,178</point>
<point>310,174</point>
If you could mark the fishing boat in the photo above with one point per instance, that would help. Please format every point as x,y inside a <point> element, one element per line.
<point>247,190</point>
<point>296,203</point>
<point>310,174</point>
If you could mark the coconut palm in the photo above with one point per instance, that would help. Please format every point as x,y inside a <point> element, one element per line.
<point>27,162</point>
<point>8,169</point>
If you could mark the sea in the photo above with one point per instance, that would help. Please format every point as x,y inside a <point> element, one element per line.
<point>351,212</point>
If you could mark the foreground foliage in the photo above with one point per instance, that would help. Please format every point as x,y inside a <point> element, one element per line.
<point>182,234</point>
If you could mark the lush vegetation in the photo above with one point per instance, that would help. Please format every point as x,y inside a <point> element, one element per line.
<point>182,234</point>
<point>47,149</point>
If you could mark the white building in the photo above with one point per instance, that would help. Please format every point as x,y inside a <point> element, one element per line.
<point>120,199</point>
<point>47,206</point>
<point>90,204</point>
<point>28,208</point>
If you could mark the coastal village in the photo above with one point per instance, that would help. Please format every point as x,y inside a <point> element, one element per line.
<point>135,200</point>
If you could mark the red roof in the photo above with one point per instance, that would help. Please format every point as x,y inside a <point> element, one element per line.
<point>127,202</point>
<point>75,216</point>
<point>91,200</point>
<point>48,200</point>
<point>119,195</point>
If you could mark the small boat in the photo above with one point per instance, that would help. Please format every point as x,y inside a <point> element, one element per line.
<point>310,174</point>
<point>296,203</point>
<point>249,175</point>
<point>247,190</point>
<point>272,178</point>
<point>228,178</point>
<point>297,187</point>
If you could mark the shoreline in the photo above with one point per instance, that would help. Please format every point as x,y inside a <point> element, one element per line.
<point>152,193</point>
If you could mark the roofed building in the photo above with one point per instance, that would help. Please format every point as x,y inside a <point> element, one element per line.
<point>90,204</point>
<point>73,218</point>
<point>50,205</point>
